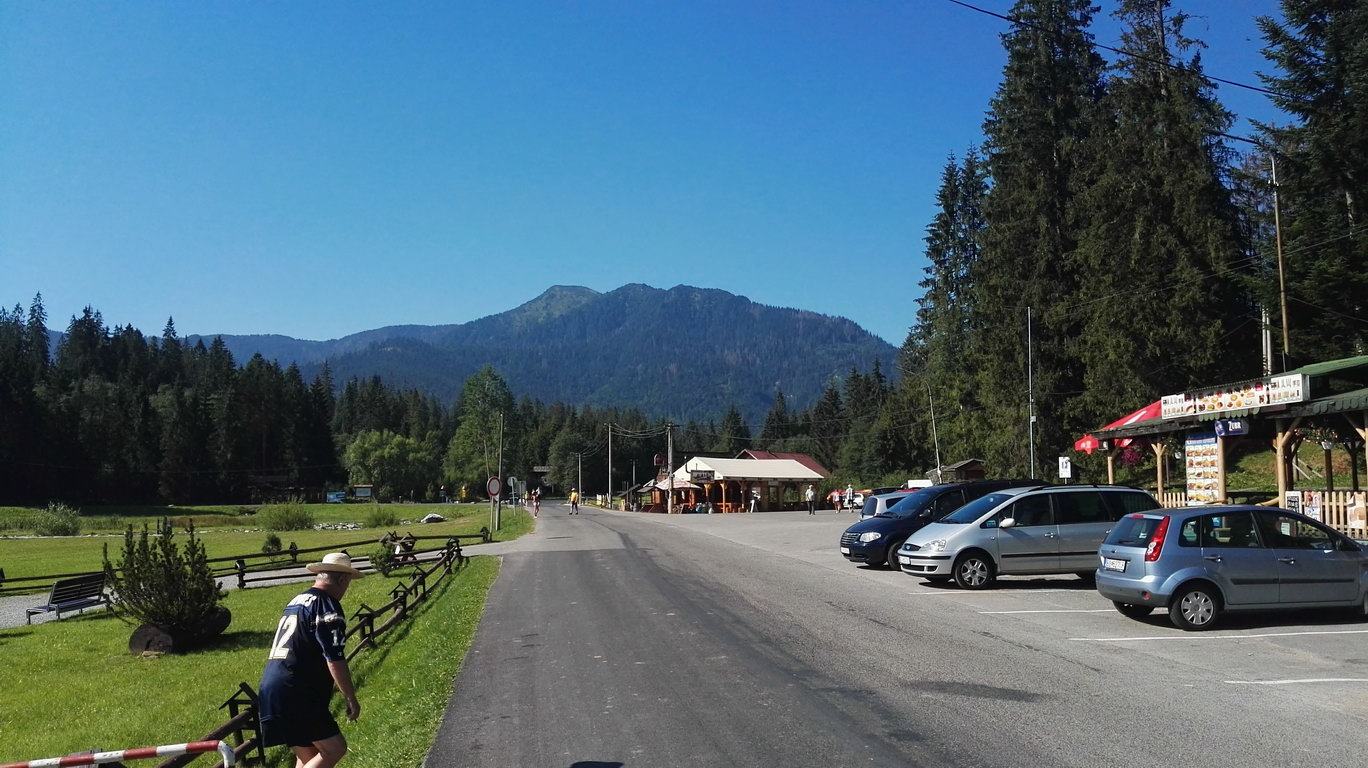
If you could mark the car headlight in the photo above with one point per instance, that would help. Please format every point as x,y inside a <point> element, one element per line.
<point>937,545</point>
<point>869,536</point>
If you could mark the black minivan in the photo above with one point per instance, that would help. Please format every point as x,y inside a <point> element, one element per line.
<point>876,540</point>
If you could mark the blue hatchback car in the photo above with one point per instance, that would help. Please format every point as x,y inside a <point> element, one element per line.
<point>1202,561</point>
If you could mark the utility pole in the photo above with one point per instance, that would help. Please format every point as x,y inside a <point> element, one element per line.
<point>610,465</point>
<point>935,439</point>
<point>669,467</point>
<point>1277,240</point>
<point>580,483</point>
<point>498,503</point>
<point>1030,389</point>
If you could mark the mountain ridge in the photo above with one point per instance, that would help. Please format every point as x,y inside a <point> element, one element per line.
<point>683,352</point>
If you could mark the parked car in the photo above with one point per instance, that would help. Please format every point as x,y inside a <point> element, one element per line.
<point>880,502</point>
<point>1029,530</point>
<point>1200,562</point>
<point>875,540</point>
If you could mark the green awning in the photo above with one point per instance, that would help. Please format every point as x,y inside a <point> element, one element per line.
<point>1348,402</point>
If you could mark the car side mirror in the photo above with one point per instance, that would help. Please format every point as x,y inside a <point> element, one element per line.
<point>1008,523</point>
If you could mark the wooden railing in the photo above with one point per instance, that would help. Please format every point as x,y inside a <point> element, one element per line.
<point>369,624</point>
<point>239,565</point>
<point>1342,510</point>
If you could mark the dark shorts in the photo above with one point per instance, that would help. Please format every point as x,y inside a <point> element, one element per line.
<point>299,729</point>
<point>295,717</point>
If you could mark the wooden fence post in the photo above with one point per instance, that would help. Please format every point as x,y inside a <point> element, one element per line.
<point>241,566</point>
<point>294,552</point>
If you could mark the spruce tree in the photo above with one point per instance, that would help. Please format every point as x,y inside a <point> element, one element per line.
<point>1320,50</point>
<point>1033,133</point>
<point>1160,244</point>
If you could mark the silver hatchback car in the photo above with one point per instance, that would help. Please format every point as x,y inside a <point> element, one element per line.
<point>1201,561</point>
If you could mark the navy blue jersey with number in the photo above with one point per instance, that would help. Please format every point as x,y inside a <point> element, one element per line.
<point>310,634</point>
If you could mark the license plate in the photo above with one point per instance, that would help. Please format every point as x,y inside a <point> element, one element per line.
<point>845,550</point>
<point>1112,564</point>
<point>905,560</point>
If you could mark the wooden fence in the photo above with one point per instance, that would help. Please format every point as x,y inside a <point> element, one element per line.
<point>1345,511</point>
<point>243,729</point>
<point>240,565</point>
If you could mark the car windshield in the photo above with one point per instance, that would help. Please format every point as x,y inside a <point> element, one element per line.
<point>910,505</point>
<point>975,509</point>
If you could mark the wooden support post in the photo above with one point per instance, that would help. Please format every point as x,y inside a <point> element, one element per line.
<point>1112,453</point>
<point>1285,454</point>
<point>1221,470</point>
<point>1159,450</point>
<point>1329,467</point>
<point>1362,431</point>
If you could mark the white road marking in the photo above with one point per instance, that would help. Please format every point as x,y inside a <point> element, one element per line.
<point>1295,682</point>
<point>999,593</point>
<point>1196,636</point>
<point>1057,610</point>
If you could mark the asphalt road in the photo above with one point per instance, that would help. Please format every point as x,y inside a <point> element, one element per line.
<point>620,639</point>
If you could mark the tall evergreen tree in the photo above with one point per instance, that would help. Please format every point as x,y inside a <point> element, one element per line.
<point>1320,50</point>
<point>777,427</point>
<point>1034,132</point>
<point>1158,229</point>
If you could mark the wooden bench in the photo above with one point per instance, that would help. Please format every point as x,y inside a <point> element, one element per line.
<point>77,593</point>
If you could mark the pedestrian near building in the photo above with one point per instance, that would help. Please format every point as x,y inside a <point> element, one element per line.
<point>811,496</point>
<point>306,660</point>
<point>755,499</point>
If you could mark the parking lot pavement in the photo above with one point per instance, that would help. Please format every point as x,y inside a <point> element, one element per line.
<point>748,640</point>
<point>1320,653</point>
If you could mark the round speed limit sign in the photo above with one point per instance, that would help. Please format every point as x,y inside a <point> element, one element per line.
<point>493,487</point>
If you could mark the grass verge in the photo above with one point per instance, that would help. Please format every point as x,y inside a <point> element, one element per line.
<point>81,689</point>
<point>21,557</point>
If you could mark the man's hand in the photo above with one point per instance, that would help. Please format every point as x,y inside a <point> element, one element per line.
<point>353,709</point>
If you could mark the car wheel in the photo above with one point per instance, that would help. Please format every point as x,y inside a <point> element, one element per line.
<point>1194,607</point>
<point>1133,611</point>
<point>892,558</point>
<point>974,571</point>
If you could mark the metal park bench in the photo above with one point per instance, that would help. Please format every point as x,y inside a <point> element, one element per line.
<point>77,593</point>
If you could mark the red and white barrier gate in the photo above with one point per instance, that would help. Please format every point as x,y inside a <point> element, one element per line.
<point>169,750</point>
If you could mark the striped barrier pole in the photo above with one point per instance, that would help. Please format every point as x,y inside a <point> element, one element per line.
<point>99,758</point>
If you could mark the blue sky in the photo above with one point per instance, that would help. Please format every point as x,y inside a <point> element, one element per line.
<point>317,169</point>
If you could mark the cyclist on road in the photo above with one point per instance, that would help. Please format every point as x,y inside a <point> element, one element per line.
<point>536,502</point>
<point>574,501</point>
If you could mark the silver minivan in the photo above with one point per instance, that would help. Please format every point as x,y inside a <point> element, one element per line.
<point>1030,530</point>
<point>878,504</point>
<point>1201,561</point>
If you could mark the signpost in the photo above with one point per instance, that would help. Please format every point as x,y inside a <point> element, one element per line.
<point>494,487</point>
<point>1065,468</point>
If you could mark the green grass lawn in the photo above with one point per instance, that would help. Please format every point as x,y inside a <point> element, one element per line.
<point>72,685</point>
<point>44,556</point>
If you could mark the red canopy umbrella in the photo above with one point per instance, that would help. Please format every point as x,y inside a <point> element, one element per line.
<point>1088,443</point>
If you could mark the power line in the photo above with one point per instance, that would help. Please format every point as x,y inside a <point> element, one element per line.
<point>1136,56</point>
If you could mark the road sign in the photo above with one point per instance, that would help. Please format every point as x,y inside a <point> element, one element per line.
<point>494,487</point>
<point>1065,467</point>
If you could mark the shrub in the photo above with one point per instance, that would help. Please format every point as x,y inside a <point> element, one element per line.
<point>159,582</point>
<point>272,544</point>
<point>382,559</point>
<point>292,516</point>
<point>381,517</point>
<point>57,520</point>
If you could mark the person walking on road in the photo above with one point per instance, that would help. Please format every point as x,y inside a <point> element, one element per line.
<point>306,660</point>
<point>811,497</point>
<point>850,497</point>
<point>574,501</point>
<point>536,502</point>
<point>755,499</point>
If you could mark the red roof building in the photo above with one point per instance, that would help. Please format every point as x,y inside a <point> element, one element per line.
<point>801,458</point>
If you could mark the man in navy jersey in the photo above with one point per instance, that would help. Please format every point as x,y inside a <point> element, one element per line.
<point>306,659</point>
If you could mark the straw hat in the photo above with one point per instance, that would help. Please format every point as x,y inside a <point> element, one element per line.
<point>337,562</point>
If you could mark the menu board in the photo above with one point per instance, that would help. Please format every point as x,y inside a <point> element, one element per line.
<point>1358,510</point>
<point>1203,468</point>
<point>1274,390</point>
<point>1311,504</point>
